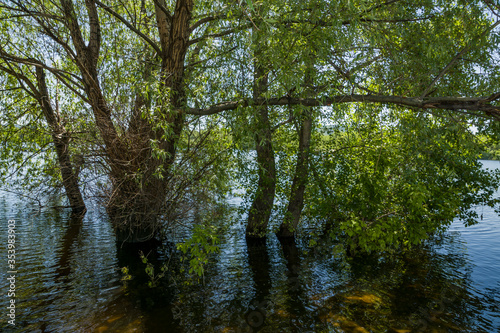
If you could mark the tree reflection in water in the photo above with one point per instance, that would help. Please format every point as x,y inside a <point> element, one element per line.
<point>70,282</point>
<point>300,289</point>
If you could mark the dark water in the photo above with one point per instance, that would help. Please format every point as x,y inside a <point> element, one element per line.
<point>69,280</point>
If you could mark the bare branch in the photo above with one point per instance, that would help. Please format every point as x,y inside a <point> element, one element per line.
<point>162,6</point>
<point>22,79</point>
<point>130,26</point>
<point>448,103</point>
<point>95,29</point>
<point>164,25</point>
<point>205,20</point>
<point>220,34</point>
<point>72,24</point>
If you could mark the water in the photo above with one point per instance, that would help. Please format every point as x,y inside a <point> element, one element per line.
<point>69,280</point>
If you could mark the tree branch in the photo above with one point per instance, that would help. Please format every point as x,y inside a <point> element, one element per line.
<point>194,63</point>
<point>390,2</point>
<point>204,20</point>
<point>220,34</point>
<point>94,44</point>
<point>164,25</point>
<point>130,26</point>
<point>289,120</point>
<point>322,23</point>
<point>458,56</point>
<point>331,23</point>
<point>33,62</point>
<point>32,91</point>
<point>448,103</point>
<point>71,23</point>
<point>493,97</point>
<point>161,6</point>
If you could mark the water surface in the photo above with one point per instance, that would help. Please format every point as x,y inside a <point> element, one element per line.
<point>69,280</point>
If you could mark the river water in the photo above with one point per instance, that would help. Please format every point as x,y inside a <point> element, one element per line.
<point>68,278</point>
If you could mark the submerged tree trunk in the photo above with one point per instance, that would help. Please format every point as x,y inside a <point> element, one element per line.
<point>61,139</point>
<point>262,205</point>
<point>295,290</point>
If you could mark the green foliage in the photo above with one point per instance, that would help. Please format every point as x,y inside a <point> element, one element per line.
<point>198,248</point>
<point>390,179</point>
<point>125,274</point>
<point>490,148</point>
<point>150,271</point>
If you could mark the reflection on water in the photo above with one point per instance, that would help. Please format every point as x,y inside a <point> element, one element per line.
<point>69,280</point>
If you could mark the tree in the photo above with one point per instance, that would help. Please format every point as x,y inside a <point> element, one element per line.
<point>29,82</point>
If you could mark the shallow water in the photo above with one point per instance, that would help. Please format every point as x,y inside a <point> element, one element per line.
<point>69,280</point>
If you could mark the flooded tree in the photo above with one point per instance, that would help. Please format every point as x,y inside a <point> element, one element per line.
<point>144,80</point>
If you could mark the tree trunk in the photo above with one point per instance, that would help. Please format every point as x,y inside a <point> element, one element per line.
<point>296,203</point>
<point>139,179</point>
<point>299,183</point>
<point>262,205</point>
<point>61,139</point>
<point>144,204</point>
<point>295,291</point>
<point>258,260</point>
<point>69,176</point>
